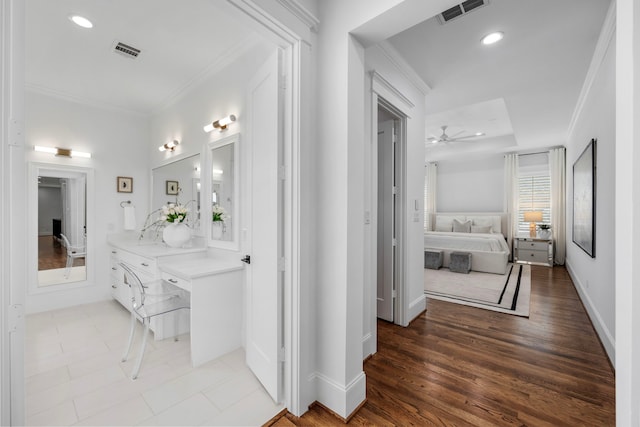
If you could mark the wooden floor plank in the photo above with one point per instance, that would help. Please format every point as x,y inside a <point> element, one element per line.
<point>463,366</point>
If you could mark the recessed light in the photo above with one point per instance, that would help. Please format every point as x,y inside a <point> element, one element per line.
<point>81,21</point>
<point>492,38</point>
<point>479,133</point>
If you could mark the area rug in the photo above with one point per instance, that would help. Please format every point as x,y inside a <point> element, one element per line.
<point>508,293</point>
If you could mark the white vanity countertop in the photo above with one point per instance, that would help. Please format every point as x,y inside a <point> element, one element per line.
<point>152,250</point>
<point>199,267</point>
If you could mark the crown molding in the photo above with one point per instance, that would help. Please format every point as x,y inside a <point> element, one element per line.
<point>42,90</point>
<point>302,13</point>
<point>392,54</point>
<point>599,53</point>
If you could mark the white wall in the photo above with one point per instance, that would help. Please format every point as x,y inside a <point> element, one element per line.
<point>118,143</point>
<point>471,184</point>
<point>217,96</point>
<point>414,300</point>
<point>595,277</point>
<point>341,179</point>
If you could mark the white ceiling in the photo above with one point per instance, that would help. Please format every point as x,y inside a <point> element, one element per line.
<point>182,42</point>
<point>536,72</point>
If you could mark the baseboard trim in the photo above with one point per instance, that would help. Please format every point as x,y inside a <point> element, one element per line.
<point>416,308</point>
<point>368,345</point>
<point>606,338</point>
<point>344,401</point>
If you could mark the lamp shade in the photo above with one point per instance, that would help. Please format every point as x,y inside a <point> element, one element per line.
<point>533,216</point>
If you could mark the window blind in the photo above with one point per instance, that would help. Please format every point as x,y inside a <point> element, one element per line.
<point>534,194</point>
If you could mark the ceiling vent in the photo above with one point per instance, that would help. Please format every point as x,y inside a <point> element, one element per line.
<point>126,50</point>
<point>460,10</point>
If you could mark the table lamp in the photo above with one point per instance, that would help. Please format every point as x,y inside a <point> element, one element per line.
<point>532,217</point>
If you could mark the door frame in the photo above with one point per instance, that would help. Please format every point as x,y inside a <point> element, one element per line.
<point>384,94</point>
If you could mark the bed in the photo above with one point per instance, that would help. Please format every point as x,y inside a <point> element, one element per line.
<point>484,235</point>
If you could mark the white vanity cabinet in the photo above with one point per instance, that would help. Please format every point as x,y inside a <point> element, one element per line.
<point>215,286</point>
<point>144,261</point>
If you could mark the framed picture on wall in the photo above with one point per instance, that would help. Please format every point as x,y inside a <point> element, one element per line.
<point>125,184</point>
<point>172,188</point>
<point>584,200</point>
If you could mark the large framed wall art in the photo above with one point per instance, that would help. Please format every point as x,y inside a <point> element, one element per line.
<point>584,200</point>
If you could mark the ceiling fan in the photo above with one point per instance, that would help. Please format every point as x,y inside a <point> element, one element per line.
<point>451,138</point>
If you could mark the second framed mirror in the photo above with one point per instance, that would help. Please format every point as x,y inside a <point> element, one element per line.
<point>224,194</point>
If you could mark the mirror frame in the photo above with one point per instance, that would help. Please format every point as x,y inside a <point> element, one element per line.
<point>195,232</point>
<point>234,243</point>
<point>40,168</point>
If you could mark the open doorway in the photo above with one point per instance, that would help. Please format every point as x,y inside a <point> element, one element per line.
<point>389,242</point>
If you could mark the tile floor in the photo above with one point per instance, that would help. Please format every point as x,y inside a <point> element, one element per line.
<point>74,376</point>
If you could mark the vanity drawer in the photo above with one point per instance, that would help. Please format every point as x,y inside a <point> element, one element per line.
<point>532,245</point>
<point>177,281</point>
<point>143,264</point>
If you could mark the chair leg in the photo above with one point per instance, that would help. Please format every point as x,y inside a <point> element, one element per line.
<point>132,332</point>
<point>136,369</point>
<point>176,325</point>
<point>68,267</point>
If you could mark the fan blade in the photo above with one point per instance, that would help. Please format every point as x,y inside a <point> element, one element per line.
<point>464,137</point>
<point>455,135</point>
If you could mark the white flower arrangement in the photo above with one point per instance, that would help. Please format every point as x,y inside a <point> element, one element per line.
<point>174,213</point>
<point>219,213</point>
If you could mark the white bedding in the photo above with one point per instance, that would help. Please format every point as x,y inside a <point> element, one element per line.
<point>490,242</point>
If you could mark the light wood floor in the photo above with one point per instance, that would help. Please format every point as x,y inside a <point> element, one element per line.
<point>462,366</point>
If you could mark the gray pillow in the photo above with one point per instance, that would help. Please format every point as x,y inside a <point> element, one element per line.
<point>461,227</point>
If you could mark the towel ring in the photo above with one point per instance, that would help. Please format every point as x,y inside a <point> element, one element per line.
<point>128,202</point>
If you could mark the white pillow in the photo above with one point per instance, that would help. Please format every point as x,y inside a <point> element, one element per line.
<point>461,227</point>
<point>481,229</point>
<point>493,220</point>
<point>445,222</point>
<point>444,227</point>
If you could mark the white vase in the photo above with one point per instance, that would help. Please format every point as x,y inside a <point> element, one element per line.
<point>544,234</point>
<point>176,234</point>
<point>216,230</point>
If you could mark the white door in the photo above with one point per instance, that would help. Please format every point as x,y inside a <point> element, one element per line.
<point>264,302</point>
<point>386,220</point>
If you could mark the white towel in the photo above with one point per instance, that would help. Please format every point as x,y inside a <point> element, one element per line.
<point>129,218</point>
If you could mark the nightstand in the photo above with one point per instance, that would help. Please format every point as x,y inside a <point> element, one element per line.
<point>533,250</point>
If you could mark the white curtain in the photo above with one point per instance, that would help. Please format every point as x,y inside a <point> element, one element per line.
<point>511,194</point>
<point>557,169</point>
<point>430,192</point>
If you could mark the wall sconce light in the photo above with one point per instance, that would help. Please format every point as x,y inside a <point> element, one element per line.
<point>169,146</point>
<point>220,124</point>
<point>66,152</point>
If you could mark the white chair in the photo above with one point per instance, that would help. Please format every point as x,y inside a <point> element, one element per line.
<point>73,252</point>
<point>146,306</point>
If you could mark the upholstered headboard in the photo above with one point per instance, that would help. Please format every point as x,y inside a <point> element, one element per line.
<point>494,219</point>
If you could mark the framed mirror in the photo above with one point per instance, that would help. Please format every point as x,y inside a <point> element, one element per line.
<point>179,182</point>
<point>60,215</point>
<point>224,195</point>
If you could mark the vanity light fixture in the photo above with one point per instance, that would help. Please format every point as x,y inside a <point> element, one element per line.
<point>66,152</point>
<point>169,146</point>
<point>220,124</point>
<point>492,38</point>
<point>217,171</point>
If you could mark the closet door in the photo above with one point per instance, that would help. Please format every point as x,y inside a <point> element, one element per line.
<point>264,302</point>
